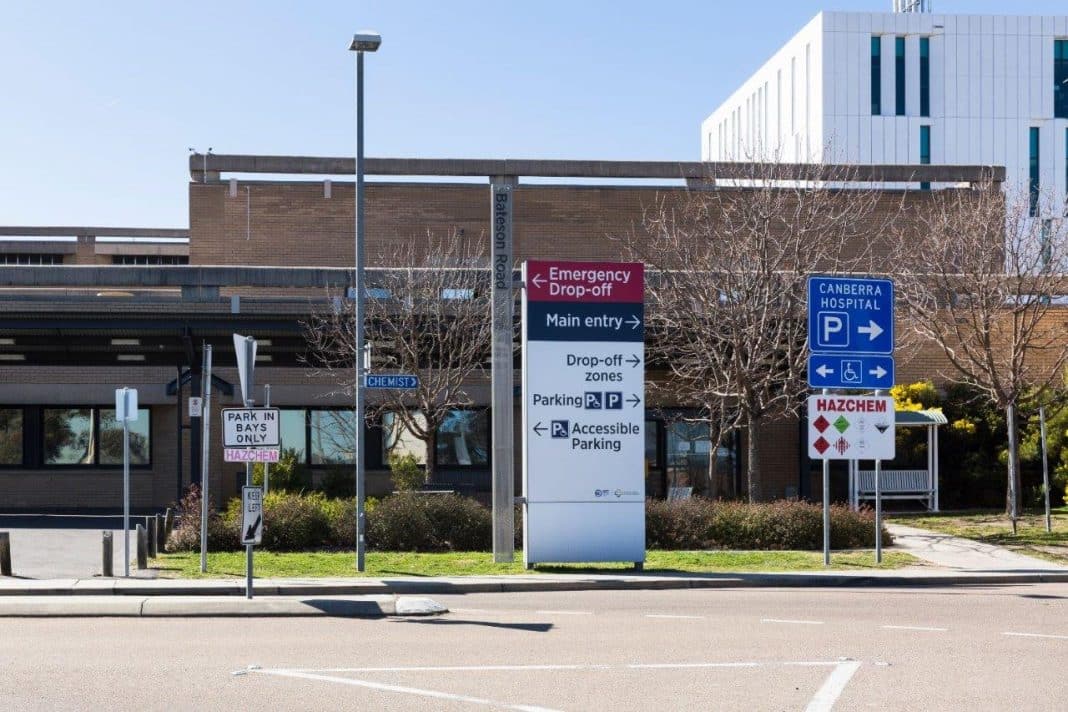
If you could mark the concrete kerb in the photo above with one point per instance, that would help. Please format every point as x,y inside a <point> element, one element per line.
<point>216,606</point>
<point>227,589</point>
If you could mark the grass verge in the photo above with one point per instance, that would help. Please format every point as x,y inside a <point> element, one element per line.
<point>993,527</point>
<point>383,564</point>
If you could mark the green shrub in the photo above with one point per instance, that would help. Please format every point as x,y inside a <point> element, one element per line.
<point>412,521</point>
<point>287,475</point>
<point>338,482</point>
<point>786,524</point>
<point>186,533</point>
<point>406,473</point>
<point>293,522</point>
<point>682,524</point>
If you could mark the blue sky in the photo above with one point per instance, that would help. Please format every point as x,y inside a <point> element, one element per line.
<point>101,100</point>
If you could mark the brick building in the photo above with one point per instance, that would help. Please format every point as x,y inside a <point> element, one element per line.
<point>108,308</point>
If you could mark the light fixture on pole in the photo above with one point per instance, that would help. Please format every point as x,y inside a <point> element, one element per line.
<point>363,41</point>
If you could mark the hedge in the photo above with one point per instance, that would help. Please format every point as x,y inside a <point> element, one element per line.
<point>424,522</point>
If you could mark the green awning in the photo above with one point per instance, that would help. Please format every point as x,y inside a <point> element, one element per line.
<point>930,416</point>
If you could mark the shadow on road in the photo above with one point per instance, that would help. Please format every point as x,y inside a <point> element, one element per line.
<point>528,627</point>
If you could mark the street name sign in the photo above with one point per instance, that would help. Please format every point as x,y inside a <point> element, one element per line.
<point>851,332</point>
<point>403,382</point>
<point>583,414</point>
<point>250,434</point>
<point>850,427</point>
<point>251,515</point>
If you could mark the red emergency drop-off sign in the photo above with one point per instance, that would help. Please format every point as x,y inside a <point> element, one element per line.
<point>585,281</point>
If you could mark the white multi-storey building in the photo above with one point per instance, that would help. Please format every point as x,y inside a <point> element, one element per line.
<point>910,88</point>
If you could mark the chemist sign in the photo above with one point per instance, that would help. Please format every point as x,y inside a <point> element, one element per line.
<point>850,427</point>
<point>584,411</point>
<point>250,434</point>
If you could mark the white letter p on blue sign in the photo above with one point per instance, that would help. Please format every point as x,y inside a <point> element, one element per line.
<point>834,329</point>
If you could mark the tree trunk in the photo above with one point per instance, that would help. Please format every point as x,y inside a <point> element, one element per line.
<point>431,451</point>
<point>1012,503</point>
<point>753,456</point>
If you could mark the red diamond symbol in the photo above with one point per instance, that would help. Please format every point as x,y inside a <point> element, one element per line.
<point>821,445</point>
<point>841,446</point>
<point>821,424</point>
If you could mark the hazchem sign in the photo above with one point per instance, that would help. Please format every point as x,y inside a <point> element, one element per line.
<point>584,411</point>
<point>850,427</point>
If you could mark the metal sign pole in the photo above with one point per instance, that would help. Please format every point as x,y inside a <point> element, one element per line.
<point>250,361</point>
<point>126,481</point>
<point>501,378</point>
<point>266,465</point>
<point>826,506</point>
<point>205,492</point>
<point>1045,466</point>
<point>878,509</point>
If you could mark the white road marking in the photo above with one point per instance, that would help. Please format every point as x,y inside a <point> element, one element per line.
<point>401,690</point>
<point>823,701</point>
<point>788,620</point>
<point>914,627</point>
<point>1038,635</point>
<point>454,668</point>
<point>666,615</point>
<point>683,666</point>
<point>832,687</point>
<point>566,613</point>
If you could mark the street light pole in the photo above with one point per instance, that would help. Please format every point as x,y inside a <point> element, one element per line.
<point>363,41</point>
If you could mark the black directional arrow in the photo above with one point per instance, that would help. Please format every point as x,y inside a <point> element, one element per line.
<point>539,428</point>
<point>251,533</point>
<point>634,400</point>
<point>634,360</point>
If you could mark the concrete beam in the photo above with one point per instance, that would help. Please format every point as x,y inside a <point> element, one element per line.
<point>200,278</point>
<point>64,231</point>
<point>664,170</point>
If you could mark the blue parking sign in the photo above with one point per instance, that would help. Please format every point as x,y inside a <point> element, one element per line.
<point>851,315</point>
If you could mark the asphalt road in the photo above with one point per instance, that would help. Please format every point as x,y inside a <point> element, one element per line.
<point>980,648</point>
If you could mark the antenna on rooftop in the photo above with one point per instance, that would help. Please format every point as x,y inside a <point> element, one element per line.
<point>912,5</point>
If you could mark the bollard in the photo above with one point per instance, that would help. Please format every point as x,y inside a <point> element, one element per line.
<point>5,554</point>
<point>142,548</point>
<point>108,567</point>
<point>168,526</point>
<point>150,536</point>
<point>161,534</point>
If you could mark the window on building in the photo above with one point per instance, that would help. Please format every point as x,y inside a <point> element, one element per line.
<point>1060,79</point>
<point>293,432</point>
<point>110,431</point>
<point>149,259</point>
<point>1033,183</point>
<point>793,95</point>
<point>464,439</point>
<point>925,152</point>
<point>899,75</point>
<point>92,436</point>
<point>22,258</point>
<point>925,76</point>
<point>398,440</point>
<point>10,436</point>
<point>876,75</point>
<point>331,437</point>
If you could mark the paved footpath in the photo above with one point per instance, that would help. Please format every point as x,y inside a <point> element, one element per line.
<point>958,554</point>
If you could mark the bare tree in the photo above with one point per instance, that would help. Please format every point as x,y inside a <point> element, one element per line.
<point>983,281</point>
<point>727,291</point>
<point>427,314</point>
